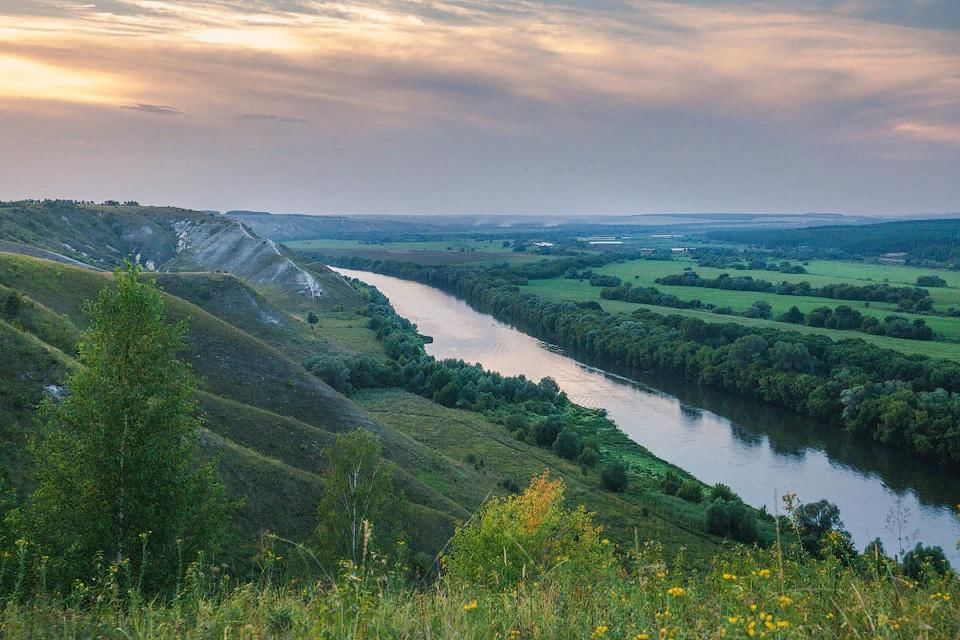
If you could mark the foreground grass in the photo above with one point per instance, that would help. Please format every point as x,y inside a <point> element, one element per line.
<point>743,594</point>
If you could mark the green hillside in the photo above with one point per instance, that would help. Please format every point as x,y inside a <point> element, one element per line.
<point>269,421</point>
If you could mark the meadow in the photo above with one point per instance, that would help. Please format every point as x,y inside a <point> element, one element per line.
<point>821,272</point>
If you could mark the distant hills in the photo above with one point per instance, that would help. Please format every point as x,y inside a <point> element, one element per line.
<point>286,227</point>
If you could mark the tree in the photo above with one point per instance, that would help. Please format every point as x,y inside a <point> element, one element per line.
<point>614,475</point>
<point>732,519</point>
<point>759,309</point>
<point>931,281</point>
<point>567,445</point>
<point>117,469</point>
<point>814,521</point>
<point>791,356</point>
<point>921,563</point>
<point>527,538</point>
<point>358,496</point>
<point>690,491</point>
<point>793,316</point>
<point>313,318</point>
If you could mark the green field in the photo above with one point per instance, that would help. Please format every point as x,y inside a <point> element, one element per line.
<point>645,273</point>
<point>819,273</point>
<point>451,251</point>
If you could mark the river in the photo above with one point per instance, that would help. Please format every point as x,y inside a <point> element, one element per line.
<point>761,451</point>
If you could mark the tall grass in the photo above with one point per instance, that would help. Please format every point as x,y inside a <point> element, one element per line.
<point>745,593</point>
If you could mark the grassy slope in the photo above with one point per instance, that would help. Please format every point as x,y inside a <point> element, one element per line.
<point>457,434</point>
<point>270,421</point>
<point>278,413</point>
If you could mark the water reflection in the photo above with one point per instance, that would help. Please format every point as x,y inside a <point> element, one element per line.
<point>759,450</point>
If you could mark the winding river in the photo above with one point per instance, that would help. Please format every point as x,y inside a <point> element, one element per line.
<point>759,450</point>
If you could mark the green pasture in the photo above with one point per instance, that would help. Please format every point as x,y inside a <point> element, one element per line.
<point>560,289</point>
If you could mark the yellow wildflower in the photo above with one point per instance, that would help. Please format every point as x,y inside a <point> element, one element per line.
<point>677,592</point>
<point>764,573</point>
<point>604,541</point>
<point>470,606</point>
<point>600,631</point>
<point>782,624</point>
<point>733,619</point>
<point>785,601</point>
<point>642,636</point>
<point>729,576</point>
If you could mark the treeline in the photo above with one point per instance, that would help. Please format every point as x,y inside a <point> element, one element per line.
<point>809,374</point>
<point>907,298</point>
<point>923,241</point>
<point>843,317</point>
<point>847,318</point>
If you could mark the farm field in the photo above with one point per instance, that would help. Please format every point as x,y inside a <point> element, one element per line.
<point>562,289</point>
<point>433,252</point>
<point>819,273</point>
<point>645,273</point>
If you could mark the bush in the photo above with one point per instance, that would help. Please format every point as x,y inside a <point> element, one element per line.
<point>924,563</point>
<point>670,483</point>
<point>614,475</point>
<point>526,537</point>
<point>313,318</point>
<point>759,309</point>
<point>589,456</point>
<point>544,433</point>
<point>931,281</point>
<point>721,491</point>
<point>690,491</point>
<point>731,519</point>
<point>567,444</point>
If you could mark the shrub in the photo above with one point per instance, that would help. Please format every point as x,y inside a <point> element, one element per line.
<point>545,432</point>
<point>567,444</point>
<point>526,537</point>
<point>614,475</point>
<point>721,491</point>
<point>690,491</point>
<point>925,563</point>
<point>731,519</point>
<point>670,483</point>
<point>313,318</point>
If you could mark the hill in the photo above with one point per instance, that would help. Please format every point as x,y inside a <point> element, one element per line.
<point>267,419</point>
<point>935,240</point>
<point>165,239</point>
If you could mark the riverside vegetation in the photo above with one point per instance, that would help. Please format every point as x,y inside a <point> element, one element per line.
<point>135,558</point>
<point>900,400</point>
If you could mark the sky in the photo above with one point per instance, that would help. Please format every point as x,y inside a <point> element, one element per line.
<point>485,106</point>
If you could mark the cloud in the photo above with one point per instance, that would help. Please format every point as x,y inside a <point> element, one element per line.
<point>270,117</point>
<point>154,109</point>
<point>929,131</point>
<point>570,87</point>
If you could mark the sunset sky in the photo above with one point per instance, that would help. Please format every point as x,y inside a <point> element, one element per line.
<point>484,106</point>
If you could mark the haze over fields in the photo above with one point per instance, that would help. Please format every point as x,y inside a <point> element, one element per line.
<point>462,106</point>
